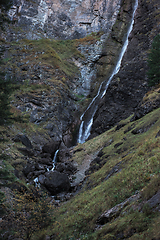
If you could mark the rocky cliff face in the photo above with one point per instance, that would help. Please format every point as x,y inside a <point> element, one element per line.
<point>67,20</point>
<point>130,84</point>
<point>58,78</point>
<point>64,19</point>
<point>42,62</point>
<point>68,78</point>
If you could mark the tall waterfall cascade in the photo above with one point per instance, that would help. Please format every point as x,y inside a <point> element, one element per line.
<point>88,115</point>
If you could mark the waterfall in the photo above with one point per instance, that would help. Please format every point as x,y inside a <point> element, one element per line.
<point>36,181</point>
<point>86,124</point>
<point>54,160</point>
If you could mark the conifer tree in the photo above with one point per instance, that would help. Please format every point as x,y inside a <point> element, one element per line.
<point>154,62</point>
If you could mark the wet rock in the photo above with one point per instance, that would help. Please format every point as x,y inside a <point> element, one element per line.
<point>63,196</point>
<point>56,182</point>
<point>45,155</point>
<point>37,173</point>
<point>51,147</point>
<point>129,86</point>
<point>39,166</point>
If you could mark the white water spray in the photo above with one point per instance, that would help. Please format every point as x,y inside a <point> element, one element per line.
<point>37,184</point>
<point>54,160</point>
<point>89,113</point>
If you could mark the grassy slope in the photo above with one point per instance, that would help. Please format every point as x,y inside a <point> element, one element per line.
<point>138,156</point>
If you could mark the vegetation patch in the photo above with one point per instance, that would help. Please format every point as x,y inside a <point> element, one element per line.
<point>138,172</point>
<point>57,53</point>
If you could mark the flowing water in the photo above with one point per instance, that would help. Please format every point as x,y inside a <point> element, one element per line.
<point>36,181</point>
<point>54,160</point>
<point>87,117</point>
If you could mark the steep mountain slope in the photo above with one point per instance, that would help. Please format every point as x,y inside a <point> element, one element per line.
<point>130,84</point>
<point>111,187</point>
<point>120,197</point>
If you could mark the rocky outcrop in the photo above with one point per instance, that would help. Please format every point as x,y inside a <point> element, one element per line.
<point>114,212</point>
<point>150,102</point>
<point>63,19</point>
<point>24,140</point>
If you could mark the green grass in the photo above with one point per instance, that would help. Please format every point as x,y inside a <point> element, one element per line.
<point>57,53</point>
<point>139,171</point>
<point>138,156</point>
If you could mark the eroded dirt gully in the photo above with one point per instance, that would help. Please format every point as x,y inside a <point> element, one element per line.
<point>130,84</point>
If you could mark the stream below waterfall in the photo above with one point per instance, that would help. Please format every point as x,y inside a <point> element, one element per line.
<point>36,180</point>
<point>88,115</point>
